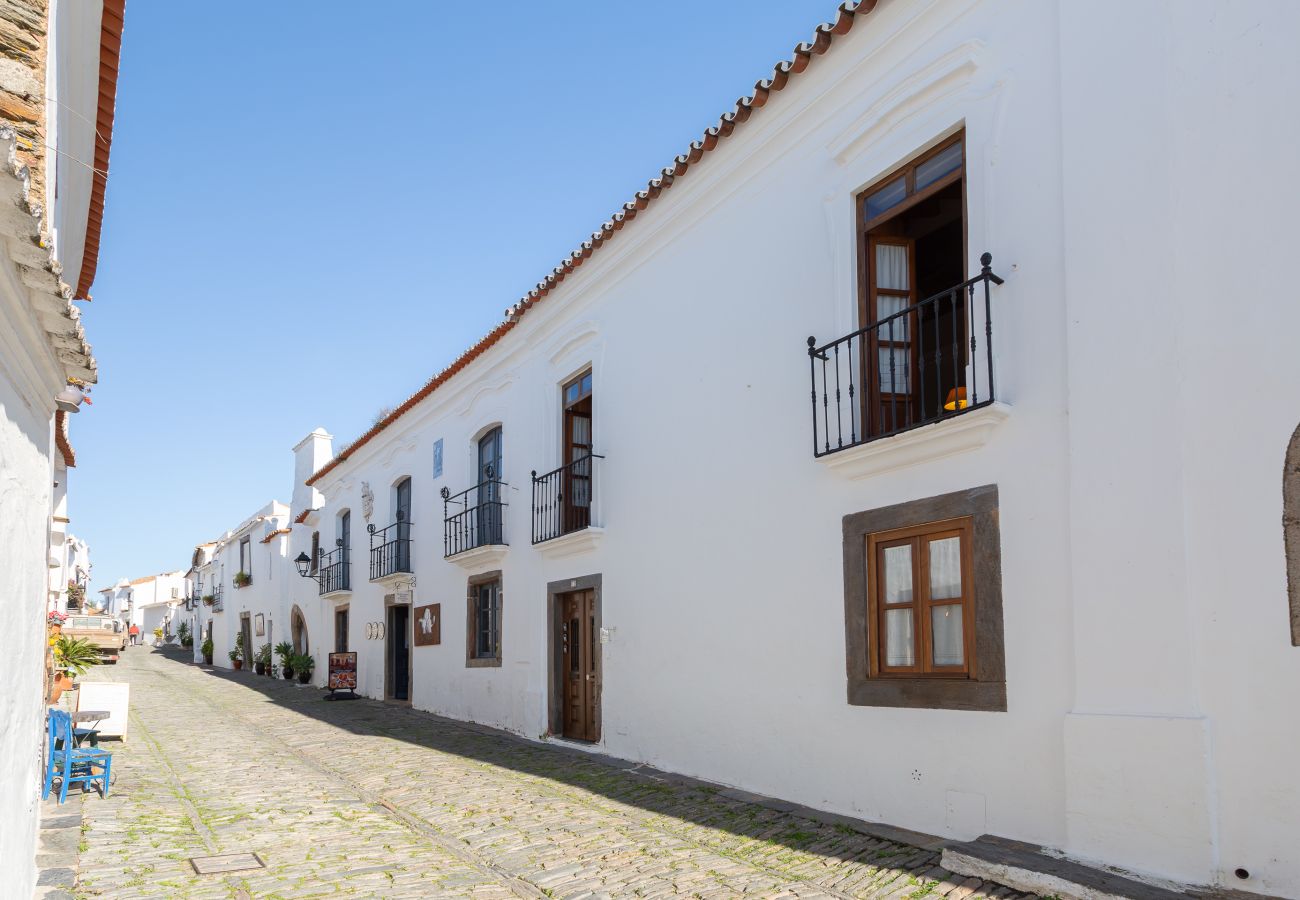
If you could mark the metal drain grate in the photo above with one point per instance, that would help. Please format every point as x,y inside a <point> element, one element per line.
<point>227,862</point>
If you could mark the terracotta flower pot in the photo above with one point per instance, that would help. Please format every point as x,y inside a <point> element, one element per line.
<point>239,664</point>
<point>56,628</point>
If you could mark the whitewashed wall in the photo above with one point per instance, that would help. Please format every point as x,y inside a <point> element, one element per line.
<point>26,471</point>
<point>1142,341</point>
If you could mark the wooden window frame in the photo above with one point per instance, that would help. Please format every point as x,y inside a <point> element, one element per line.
<point>472,659</point>
<point>919,538</point>
<point>246,556</point>
<point>982,686</point>
<point>871,397</point>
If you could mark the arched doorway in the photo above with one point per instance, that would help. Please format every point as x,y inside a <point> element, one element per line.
<point>298,631</point>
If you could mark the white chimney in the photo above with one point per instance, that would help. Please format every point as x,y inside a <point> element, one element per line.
<point>309,455</point>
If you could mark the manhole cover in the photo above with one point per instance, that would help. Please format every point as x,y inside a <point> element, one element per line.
<point>228,862</point>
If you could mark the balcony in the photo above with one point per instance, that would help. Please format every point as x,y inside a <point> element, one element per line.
<point>875,391</point>
<point>216,597</point>
<point>562,503</point>
<point>335,571</point>
<point>390,550</point>
<point>474,523</point>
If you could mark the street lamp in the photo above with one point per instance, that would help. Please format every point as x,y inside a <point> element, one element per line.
<point>303,562</point>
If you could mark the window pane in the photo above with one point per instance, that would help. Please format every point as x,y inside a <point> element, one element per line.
<point>891,267</point>
<point>894,329</point>
<point>586,383</point>
<point>945,569</point>
<point>898,574</point>
<point>934,168</point>
<point>571,393</point>
<point>888,196</point>
<point>899,645</point>
<point>946,631</point>
<point>894,374</point>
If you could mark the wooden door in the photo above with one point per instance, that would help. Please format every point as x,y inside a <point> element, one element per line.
<point>576,489</point>
<point>402,556</point>
<point>489,490</point>
<point>398,635</point>
<point>891,350</point>
<point>579,644</point>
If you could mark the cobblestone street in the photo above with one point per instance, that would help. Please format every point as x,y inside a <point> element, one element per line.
<point>365,799</point>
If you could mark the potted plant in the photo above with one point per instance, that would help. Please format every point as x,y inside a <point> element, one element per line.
<point>183,632</point>
<point>158,636</point>
<point>303,664</point>
<point>262,661</point>
<point>73,657</point>
<point>206,649</point>
<point>284,650</point>
<point>55,622</point>
<point>208,599</point>
<point>237,653</point>
<point>243,579</point>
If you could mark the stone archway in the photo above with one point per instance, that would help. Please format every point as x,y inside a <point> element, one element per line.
<point>298,631</point>
<point>1291,530</point>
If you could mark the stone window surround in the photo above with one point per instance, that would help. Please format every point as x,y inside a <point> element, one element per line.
<point>986,689</point>
<point>479,662</point>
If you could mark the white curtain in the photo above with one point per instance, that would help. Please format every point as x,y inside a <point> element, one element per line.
<point>891,267</point>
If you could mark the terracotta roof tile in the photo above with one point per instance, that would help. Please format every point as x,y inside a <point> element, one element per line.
<point>302,516</point>
<point>802,55</point>
<point>274,534</point>
<point>110,50</point>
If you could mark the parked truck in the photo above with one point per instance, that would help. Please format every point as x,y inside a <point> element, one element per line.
<point>104,632</point>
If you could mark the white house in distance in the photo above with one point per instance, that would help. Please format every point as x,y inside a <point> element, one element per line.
<point>153,601</point>
<point>58,82</point>
<point>240,580</point>
<point>999,549</point>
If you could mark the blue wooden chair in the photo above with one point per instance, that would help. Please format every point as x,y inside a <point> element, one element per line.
<point>71,763</point>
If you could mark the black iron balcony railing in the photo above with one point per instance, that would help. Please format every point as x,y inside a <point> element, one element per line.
<point>390,549</point>
<point>335,570</point>
<point>562,498</point>
<point>474,518</point>
<point>216,597</point>
<point>913,367</point>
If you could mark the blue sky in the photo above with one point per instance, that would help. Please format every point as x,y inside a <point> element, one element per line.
<point>310,211</point>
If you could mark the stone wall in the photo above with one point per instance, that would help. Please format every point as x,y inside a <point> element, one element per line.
<point>23,38</point>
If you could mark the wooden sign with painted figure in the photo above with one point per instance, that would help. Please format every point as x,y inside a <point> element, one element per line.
<point>428,625</point>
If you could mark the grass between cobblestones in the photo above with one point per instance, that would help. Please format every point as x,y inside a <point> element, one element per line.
<point>365,799</point>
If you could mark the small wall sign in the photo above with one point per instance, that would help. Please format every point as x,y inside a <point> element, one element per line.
<point>428,625</point>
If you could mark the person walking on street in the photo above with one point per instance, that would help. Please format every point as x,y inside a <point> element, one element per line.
<point>134,631</point>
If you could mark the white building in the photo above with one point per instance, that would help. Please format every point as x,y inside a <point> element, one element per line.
<point>998,550</point>
<point>152,602</point>
<point>58,73</point>
<point>245,573</point>
<point>69,572</point>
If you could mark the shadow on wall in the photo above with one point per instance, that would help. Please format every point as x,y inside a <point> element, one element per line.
<point>769,822</point>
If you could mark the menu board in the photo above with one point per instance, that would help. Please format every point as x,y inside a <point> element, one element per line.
<point>343,671</point>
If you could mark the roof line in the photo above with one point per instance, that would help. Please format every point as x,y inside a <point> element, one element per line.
<point>802,55</point>
<point>110,54</point>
